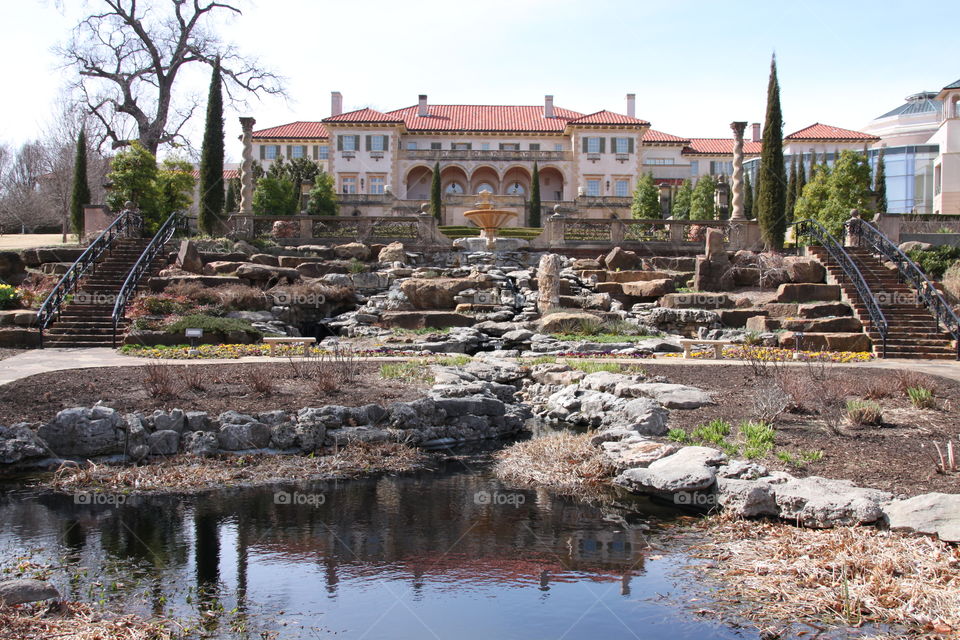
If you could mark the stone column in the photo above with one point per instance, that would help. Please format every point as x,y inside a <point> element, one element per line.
<point>246,167</point>
<point>737,205</point>
<point>548,283</point>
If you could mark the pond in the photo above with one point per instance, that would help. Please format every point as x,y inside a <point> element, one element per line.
<point>447,554</point>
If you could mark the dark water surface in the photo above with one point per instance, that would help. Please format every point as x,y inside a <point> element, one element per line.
<point>452,554</point>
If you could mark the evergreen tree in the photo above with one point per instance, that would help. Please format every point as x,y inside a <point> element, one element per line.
<point>646,199</point>
<point>801,183</point>
<point>880,183</point>
<point>80,194</point>
<point>832,193</point>
<point>791,189</point>
<point>436,195</point>
<point>771,199</point>
<point>274,196</point>
<point>702,201</point>
<point>232,201</point>
<point>535,206</point>
<point>323,196</point>
<point>211,158</point>
<point>747,197</point>
<point>813,163</point>
<point>681,202</point>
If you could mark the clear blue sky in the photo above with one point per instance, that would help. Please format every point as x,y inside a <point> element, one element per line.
<point>695,66</point>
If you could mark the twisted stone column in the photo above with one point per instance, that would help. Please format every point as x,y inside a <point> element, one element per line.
<point>737,205</point>
<point>246,167</point>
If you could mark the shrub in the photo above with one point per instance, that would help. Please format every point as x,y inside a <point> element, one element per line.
<point>241,297</point>
<point>921,397</point>
<point>864,413</point>
<point>678,435</point>
<point>195,292</point>
<point>758,438</point>
<point>935,261</point>
<point>212,324</point>
<point>10,297</point>
<point>951,281</point>
<point>259,379</point>
<point>194,378</point>
<point>159,380</point>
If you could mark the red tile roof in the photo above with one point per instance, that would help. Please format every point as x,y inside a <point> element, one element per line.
<point>362,115</point>
<point>818,131</point>
<point>467,117</point>
<point>228,174</point>
<point>719,147</point>
<point>652,135</point>
<point>608,117</point>
<point>294,130</point>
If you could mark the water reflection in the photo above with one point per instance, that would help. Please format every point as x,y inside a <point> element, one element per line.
<point>452,554</point>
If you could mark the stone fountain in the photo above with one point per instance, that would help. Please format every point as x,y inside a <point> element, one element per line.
<point>488,218</point>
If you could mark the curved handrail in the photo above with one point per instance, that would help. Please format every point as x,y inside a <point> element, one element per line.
<point>126,221</point>
<point>816,231</point>
<point>932,298</point>
<point>176,221</point>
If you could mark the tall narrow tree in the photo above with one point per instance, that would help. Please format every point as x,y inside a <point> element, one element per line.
<point>535,205</point>
<point>792,189</point>
<point>880,183</point>
<point>747,197</point>
<point>230,205</point>
<point>813,163</point>
<point>436,195</point>
<point>211,157</point>
<point>801,183</point>
<point>80,195</point>
<point>771,202</point>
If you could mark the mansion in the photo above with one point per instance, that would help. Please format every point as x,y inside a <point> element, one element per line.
<point>382,162</point>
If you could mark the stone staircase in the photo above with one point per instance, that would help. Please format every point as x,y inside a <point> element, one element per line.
<point>913,330</point>
<point>87,321</point>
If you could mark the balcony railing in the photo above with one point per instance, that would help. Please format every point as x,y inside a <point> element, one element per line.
<point>501,155</point>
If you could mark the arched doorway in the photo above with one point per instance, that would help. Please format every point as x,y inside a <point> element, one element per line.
<point>485,178</point>
<point>516,182</point>
<point>453,181</point>
<point>551,184</point>
<point>418,183</point>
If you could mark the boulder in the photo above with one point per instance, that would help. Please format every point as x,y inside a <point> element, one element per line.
<point>19,442</point>
<point>393,252</point>
<point>739,317</point>
<point>746,498</point>
<point>688,470</point>
<point>824,309</point>
<point>930,513</point>
<point>670,396</point>
<point>912,245</point>
<point>567,321</point>
<point>36,257</point>
<point>266,258</point>
<point>219,267</point>
<point>352,251</point>
<point>319,269</point>
<point>586,264</point>
<point>697,301</point>
<point>163,443</point>
<point>24,590</point>
<point>439,293</point>
<point>618,259</point>
<point>188,258</point>
<point>261,274</point>
<point>85,432</point>
<point>822,503</point>
<point>650,289</point>
<point>636,276</point>
<point>637,452</point>
<point>807,292</point>
<point>239,437</point>
<point>201,443</point>
<point>822,325</point>
<point>804,270</point>
<point>12,267</point>
<point>854,342</point>
<point>424,319</point>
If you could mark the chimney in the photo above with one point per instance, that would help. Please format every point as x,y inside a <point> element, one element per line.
<point>547,106</point>
<point>632,105</point>
<point>336,103</point>
<point>422,109</point>
<point>756,132</point>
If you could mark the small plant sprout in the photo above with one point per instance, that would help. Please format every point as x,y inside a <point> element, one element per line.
<point>921,397</point>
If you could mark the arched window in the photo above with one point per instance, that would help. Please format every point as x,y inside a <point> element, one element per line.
<point>516,189</point>
<point>454,188</point>
<point>485,186</point>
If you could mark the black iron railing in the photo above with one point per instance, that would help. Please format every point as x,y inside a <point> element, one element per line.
<point>127,222</point>
<point>909,273</point>
<point>175,222</point>
<point>817,233</point>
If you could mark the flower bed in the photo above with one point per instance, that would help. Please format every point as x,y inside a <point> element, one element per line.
<point>235,351</point>
<point>771,354</point>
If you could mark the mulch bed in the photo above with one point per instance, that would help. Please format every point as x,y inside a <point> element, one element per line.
<point>227,386</point>
<point>9,353</point>
<point>898,456</point>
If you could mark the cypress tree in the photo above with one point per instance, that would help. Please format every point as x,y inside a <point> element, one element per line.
<point>211,157</point>
<point>230,205</point>
<point>80,194</point>
<point>747,197</point>
<point>880,183</point>
<point>436,196</point>
<point>813,163</point>
<point>792,189</point>
<point>535,197</point>
<point>771,202</point>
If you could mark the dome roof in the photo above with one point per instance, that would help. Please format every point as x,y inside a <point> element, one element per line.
<point>923,102</point>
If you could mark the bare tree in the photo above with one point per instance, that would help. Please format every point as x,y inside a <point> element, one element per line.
<point>129,56</point>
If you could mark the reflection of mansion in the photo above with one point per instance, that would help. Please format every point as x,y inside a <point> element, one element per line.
<point>383,162</point>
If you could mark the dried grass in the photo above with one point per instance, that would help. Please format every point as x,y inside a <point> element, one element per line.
<point>564,461</point>
<point>194,377</point>
<point>260,379</point>
<point>76,621</point>
<point>188,474</point>
<point>843,576</point>
<point>159,380</point>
